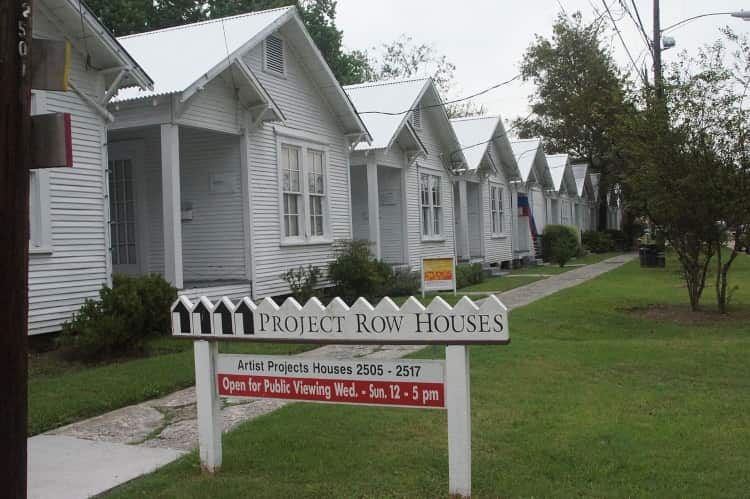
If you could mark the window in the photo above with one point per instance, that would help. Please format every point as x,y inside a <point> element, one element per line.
<point>496,208</point>
<point>40,238</point>
<point>122,212</point>
<point>416,118</point>
<point>432,210</point>
<point>303,193</point>
<point>274,54</point>
<point>292,190</point>
<point>317,192</point>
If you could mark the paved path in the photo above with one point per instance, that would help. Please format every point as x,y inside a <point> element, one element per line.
<point>94,455</point>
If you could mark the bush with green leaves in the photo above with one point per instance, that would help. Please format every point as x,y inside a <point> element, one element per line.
<point>619,239</point>
<point>354,272</point>
<point>559,243</point>
<point>597,242</point>
<point>402,283</point>
<point>117,324</point>
<point>468,274</point>
<point>303,282</point>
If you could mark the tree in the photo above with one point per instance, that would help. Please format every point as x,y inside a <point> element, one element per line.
<point>405,58</point>
<point>125,17</point>
<point>688,165</point>
<point>579,94</point>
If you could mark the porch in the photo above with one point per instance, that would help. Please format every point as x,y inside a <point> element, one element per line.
<point>469,221</point>
<point>178,206</point>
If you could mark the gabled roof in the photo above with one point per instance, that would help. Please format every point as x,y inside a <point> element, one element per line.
<point>525,151</point>
<point>558,165</point>
<point>183,59</point>
<point>85,32</point>
<point>392,98</point>
<point>478,135</point>
<point>579,173</point>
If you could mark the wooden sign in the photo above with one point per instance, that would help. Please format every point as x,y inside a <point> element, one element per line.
<point>386,323</point>
<point>51,140</point>
<point>50,66</point>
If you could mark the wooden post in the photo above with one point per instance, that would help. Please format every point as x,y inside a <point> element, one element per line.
<point>458,403</point>
<point>15,161</point>
<point>171,205</point>
<point>209,405</point>
<point>373,204</point>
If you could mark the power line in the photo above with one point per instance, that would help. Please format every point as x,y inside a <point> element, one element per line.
<point>491,139</point>
<point>622,40</point>
<point>637,21</point>
<point>445,103</point>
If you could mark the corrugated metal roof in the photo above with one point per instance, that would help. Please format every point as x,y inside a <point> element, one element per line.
<point>394,96</point>
<point>557,164</point>
<point>525,152</point>
<point>177,57</point>
<point>579,172</point>
<point>476,132</point>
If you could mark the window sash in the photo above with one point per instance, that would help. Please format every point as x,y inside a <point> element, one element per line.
<point>304,194</point>
<point>431,202</point>
<point>496,209</point>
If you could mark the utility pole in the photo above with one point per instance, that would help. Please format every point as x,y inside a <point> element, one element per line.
<point>15,161</point>
<point>657,53</point>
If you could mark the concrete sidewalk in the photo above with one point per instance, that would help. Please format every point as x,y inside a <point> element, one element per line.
<point>97,454</point>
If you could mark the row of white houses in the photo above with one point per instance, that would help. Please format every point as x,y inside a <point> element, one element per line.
<point>221,154</point>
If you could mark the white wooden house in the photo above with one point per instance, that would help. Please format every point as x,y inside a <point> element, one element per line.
<point>68,245</point>
<point>564,194</point>
<point>401,182</point>
<point>235,167</point>
<point>486,192</point>
<point>532,200</point>
<point>586,197</point>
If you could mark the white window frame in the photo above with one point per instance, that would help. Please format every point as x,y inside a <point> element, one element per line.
<point>305,148</point>
<point>497,207</point>
<point>40,227</point>
<point>271,71</point>
<point>432,208</point>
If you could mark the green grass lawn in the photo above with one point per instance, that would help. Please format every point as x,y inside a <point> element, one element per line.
<point>553,268</point>
<point>595,396</point>
<point>62,392</point>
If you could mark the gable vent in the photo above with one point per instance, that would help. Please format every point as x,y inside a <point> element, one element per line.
<point>416,118</point>
<point>275,54</point>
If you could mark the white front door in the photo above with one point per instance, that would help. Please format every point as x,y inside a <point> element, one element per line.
<point>124,223</point>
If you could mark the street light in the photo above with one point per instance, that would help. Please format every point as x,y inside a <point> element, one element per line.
<point>657,44</point>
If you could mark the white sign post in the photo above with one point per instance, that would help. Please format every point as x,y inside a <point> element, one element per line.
<point>401,383</point>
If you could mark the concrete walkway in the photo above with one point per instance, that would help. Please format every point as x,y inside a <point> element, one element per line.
<point>97,454</point>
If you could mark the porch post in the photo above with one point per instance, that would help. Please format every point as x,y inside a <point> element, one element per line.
<point>171,206</point>
<point>515,237</point>
<point>463,221</point>
<point>373,207</point>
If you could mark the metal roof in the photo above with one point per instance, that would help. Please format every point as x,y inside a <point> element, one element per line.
<point>557,166</point>
<point>395,97</point>
<point>182,59</point>
<point>85,32</point>
<point>579,172</point>
<point>179,56</point>
<point>525,151</point>
<point>475,136</point>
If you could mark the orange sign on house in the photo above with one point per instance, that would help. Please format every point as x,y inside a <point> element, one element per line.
<point>438,274</point>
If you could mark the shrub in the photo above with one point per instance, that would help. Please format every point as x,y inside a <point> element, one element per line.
<point>303,282</point>
<point>402,283</point>
<point>117,324</point>
<point>597,242</point>
<point>619,239</point>
<point>468,274</point>
<point>559,243</point>
<point>355,272</point>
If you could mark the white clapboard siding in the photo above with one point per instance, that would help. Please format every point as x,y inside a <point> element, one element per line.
<point>390,200</point>
<point>214,293</point>
<point>305,110</point>
<point>498,248</point>
<point>76,267</point>
<point>213,241</point>
<point>214,108</point>
<point>432,164</point>
<point>360,214</point>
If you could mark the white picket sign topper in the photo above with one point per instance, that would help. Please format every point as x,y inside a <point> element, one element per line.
<point>386,323</point>
<point>362,323</point>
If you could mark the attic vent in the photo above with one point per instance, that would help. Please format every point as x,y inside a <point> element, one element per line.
<point>416,118</point>
<point>275,54</point>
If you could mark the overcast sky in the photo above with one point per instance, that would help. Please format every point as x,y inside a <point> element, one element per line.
<point>486,39</point>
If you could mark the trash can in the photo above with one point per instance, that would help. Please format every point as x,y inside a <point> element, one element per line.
<point>652,255</point>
